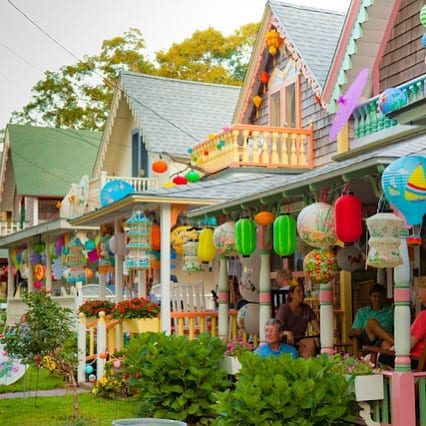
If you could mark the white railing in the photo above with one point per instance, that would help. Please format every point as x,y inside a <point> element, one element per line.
<point>9,227</point>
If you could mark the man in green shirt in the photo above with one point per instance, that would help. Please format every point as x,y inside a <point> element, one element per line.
<point>374,323</point>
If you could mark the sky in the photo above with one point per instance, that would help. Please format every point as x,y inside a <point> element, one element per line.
<point>82,25</point>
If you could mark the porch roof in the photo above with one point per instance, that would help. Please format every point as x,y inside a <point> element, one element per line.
<point>368,163</point>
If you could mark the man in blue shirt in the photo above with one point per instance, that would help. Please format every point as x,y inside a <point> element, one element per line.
<point>274,346</point>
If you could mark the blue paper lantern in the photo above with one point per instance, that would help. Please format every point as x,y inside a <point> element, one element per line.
<point>404,185</point>
<point>88,369</point>
<point>391,100</point>
<point>115,190</point>
<point>424,40</point>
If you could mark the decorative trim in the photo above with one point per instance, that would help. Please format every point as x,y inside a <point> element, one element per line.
<point>5,157</point>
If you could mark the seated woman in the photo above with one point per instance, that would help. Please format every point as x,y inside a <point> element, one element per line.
<point>273,344</point>
<point>295,317</point>
<point>418,328</point>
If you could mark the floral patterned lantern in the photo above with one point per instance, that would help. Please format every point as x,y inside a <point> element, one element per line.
<point>76,261</point>
<point>206,251</point>
<point>245,236</point>
<point>350,258</point>
<point>191,262</point>
<point>320,265</point>
<point>138,257</point>
<point>224,239</point>
<point>315,225</point>
<point>384,242</point>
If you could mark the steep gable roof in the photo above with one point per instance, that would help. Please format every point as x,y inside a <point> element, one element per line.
<point>46,161</point>
<point>175,114</point>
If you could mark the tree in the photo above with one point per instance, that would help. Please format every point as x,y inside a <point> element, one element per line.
<point>209,56</point>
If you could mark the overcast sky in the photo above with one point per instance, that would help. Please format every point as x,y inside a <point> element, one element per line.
<point>82,25</point>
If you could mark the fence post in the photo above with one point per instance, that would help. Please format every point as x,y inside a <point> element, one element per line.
<point>100,345</point>
<point>81,348</point>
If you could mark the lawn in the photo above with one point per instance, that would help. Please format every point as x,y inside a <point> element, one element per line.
<point>28,382</point>
<point>57,411</point>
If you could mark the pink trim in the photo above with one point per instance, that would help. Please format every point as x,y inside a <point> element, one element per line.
<point>326,296</point>
<point>403,360</point>
<point>403,399</point>
<point>265,297</point>
<point>329,351</point>
<point>223,296</point>
<point>383,44</point>
<point>401,295</point>
<point>340,51</point>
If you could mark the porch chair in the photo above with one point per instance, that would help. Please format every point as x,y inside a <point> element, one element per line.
<point>278,297</point>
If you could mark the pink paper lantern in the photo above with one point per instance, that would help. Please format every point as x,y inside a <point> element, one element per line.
<point>93,256</point>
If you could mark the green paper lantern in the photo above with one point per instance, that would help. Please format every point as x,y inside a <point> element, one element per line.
<point>423,16</point>
<point>193,176</point>
<point>245,236</point>
<point>284,235</point>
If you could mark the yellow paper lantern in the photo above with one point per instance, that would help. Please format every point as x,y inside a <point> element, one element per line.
<point>273,41</point>
<point>206,249</point>
<point>168,185</point>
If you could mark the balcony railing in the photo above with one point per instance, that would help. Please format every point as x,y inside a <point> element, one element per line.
<point>96,184</point>
<point>368,119</point>
<point>9,227</point>
<point>256,146</point>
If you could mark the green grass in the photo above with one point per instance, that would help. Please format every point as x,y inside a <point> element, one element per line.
<point>57,411</point>
<point>28,382</point>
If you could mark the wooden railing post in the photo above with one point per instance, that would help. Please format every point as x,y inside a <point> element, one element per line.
<point>81,348</point>
<point>100,345</point>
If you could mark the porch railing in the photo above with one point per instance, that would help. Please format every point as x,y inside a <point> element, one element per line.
<point>256,146</point>
<point>368,119</point>
<point>9,227</point>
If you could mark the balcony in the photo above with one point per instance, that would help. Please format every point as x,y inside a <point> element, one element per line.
<point>368,119</point>
<point>244,145</point>
<point>96,185</point>
<point>9,227</point>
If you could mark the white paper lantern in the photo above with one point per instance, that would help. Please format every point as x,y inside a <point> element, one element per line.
<point>224,239</point>
<point>350,258</point>
<point>117,244</point>
<point>248,318</point>
<point>191,262</point>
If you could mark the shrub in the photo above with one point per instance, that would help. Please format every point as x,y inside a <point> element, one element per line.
<point>237,347</point>
<point>91,308</point>
<point>277,391</point>
<point>138,307</point>
<point>177,377</point>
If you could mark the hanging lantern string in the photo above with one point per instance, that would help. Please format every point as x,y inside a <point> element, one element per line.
<point>187,164</point>
<point>345,188</point>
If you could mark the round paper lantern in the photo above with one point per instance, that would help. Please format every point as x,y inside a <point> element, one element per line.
<point>391,100</point>
<point>245,236</point>
<point>315,225</point>
<point>39,247</point>
<point>284,235</point>
<point>92,378</point>
<point>257,101</point>
<point>264,218</point>
<point>350,258</point>
<point>193,176</point>
<point>180,235</point>
<point>89,273</point>
<point>206,250</point>
<point>249,287</point>
<point>159,166</point>
<point>224,239</point>
<point>264,77</point>
<point>180,180</point>
<point>89,245</point>
<point>384,242</point>
<point>248,318</point>
<point>88,369</point>
<point>423,15</point>
<point>320,265</point>
<point>116,364</point>
<point>38,272</point>
<point>348,218</point>
<point>117,244</point>
<point>155,237</point>
<point>138,247</point>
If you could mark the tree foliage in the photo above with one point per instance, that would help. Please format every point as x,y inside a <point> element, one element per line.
<point>79,95</point>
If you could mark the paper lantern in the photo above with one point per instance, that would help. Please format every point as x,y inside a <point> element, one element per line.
<point>191,262</point>
<point>38,272</point>
<point>180,235</point>
<point>224,239</point>
<point>284,235</point>
<point>76,261</point>
<point>423,15</point>
<point>248,318</point>
<point>315,225</point>
<point>206,250</point>
<point>180,180</point>
<point>89,245</point>
<point>245,236</point>
<point>35,258</point>
<point>424,40</point>
<point>320,266</point>
<point>117,244</point>
<point>193,176</point>
<point>348,218</point>
<point>264,77</point>
<point>391,100</point>
<point>384,242</point>
<point>264,218</point>
<point>350,258</point>
<point>257,101</point>
<point>39,247</point>
<point>88,369</point>
<point>106,256</point>
<point>89,273</point>
<point>159,166</point>
<point>273,41</point>
<point>249,287</point>
<point>155,237</point>
<point>139,245</point>
<point>92,256</point>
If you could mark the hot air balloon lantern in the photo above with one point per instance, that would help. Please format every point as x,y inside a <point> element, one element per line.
<point>320,265</point>
<point>245,236</point>
<point>206,250</point>
<point>76,261</point>
<point>348,218</point>
<point>138,257</point>
<point>224,239</point>
<point>284,235</point>
<point>404,185</point>
<point>257,101</point>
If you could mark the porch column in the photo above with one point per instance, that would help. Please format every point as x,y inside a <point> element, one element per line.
<point>326,318</point>
<point>346,303</point>
<point>48,267</point>
<point>118,267</point>
<point>165,220</point>
<point>142,284</point>
<point>102,286</point>
<point>223,312</point>
<point>30,270</point>
<point>10,276</point>
<point>264,292</point>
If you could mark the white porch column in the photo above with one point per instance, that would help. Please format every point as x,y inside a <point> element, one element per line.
<point>223,312</point>
<point>10,276</point>
<point>30,270</point>
<point>165,220</point>
<point>326,318</point>
<point>102,286</point>
<point>142,284</point>
<point>48,267</point>
<point>264,292</point>
<point>118,267</point>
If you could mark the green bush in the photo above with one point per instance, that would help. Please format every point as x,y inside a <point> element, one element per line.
<point>276,391</point>
<point>177,377</point>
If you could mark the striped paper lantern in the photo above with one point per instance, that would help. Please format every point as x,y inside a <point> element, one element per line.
<point>285,235</point>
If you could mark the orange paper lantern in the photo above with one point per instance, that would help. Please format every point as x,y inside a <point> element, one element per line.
<point>159,166</point>
<point>264,218</point>
<point>155,237</point>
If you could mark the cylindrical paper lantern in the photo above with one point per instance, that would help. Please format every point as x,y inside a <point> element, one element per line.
<point>206,250</point>
<point>245,236</point>
<point>191,262</point>
<point>284,235</point>
<point>348,218</point>
<point>320,265</point>
<point>155,237</point>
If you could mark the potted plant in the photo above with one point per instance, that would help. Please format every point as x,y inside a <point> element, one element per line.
<point>91,308</point>
<point>234,349</point>
<point>137,315</point>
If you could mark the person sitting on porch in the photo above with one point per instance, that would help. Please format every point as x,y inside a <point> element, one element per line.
<point>284,279</point>
<point>374,323</point>
<point>295,317</point>
<point>418,328</point>
<point>273,338</point>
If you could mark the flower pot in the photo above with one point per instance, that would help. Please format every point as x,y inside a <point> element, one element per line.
<point>368,387</point>
<point>231,364</point>
<point>140,325</point>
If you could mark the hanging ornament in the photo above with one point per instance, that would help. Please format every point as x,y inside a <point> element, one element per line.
<point>189,151</point>
<point>257,101</point>
<point>391,100</point>
<point>348,218</point>
<point>159,166</point>
<point>76,261</point>
<point>273,41</point>
<point>350,258</point>
<point>284,235</point>
<point>39,247</point>
<point>206,250</point>
<point>320,266</point>
<point>38,272</point>
<point>180,235</point>
<point>138,246</point>
<point>193,176</point>
<point>220,144</point>
<point>264,78</point>
<point>264,218</point>
<point>224,239</point>
<point>245,236</point>
<point>180,180</point>
<point>191,262</point>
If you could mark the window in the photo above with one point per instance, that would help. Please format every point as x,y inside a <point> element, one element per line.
<point>139,155</point>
